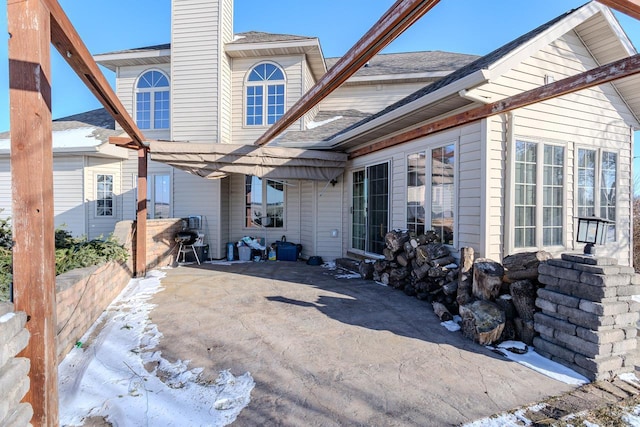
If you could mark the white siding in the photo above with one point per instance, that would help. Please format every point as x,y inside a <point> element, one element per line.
<point>594,117</point>
<point>292,66</point>
<point>199,28</point>
<point>68,208</point>
<point>308,201</point>
<point>368,98</point>
<point>5,187</point>
<point>329,203</point>
<point>102,226</point>
<point>226,92</point>
<point>193,195</point>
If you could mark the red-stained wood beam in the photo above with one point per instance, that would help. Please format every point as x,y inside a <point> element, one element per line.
<point>397,19</point>
<point>67,41</point>
<point>597,76</point>
<point>34,283</point>
<point>123,141</point>
<point>628,7</point>
<point>141,220</point>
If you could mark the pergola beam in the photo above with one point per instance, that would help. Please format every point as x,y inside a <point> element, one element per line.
<point>67,41</point>
<point>628,7</point>
<point>396,20</point>
<point>597,76</point>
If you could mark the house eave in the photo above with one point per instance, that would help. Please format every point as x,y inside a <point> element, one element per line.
<point>112,61</point>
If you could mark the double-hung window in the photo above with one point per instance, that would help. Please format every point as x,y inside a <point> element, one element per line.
<point>596,185</point>
<point>264,95</point>
<point>432,206</point>
<point>539,186</point>
<point>264,202</point>
<point>152,101</point>
<point>104,195</point>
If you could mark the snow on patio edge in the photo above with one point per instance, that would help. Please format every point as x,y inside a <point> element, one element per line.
<point>108,378</point>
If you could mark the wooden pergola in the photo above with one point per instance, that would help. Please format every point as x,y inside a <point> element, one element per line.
<point>35,24</point>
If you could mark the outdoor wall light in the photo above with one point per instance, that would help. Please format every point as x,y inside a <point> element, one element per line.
<point>592,231</point>
<point>334,232</point>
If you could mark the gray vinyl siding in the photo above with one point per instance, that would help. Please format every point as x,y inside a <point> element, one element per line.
<point>308,201</point>
<point>193,195</point>
<point>102,226</point>
<point>329,203</point>
<point>226,92</point>
<point>225,214</point>
<point>596,118</point>
<point>369,98</point>
<point>196,68</point>
<point>69,208</point>
<point>292,66</point>
<point>5,187</point>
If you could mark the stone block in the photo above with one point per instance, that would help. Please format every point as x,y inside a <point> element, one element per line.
<point>583,346</point>
<point>559,272</point>
<point>21,416</point>
<point>635,279</point>
<point>627,270</point>
<point>589,260</point>
<point>597,269</point>
<point>553,349</point>
<point>631,332</point>
<point>543,329</point>
<point>560,263</point>
<point>555,323</point>
<point>584,319</point>
<point>593,293</point>
<point>558,298</point>
<point>626,319</point>
<point>601,337</point>
<point>605,280</point>
<point>548,280</point>
<point>600,364</point>
<point>600,309</point>
<point>626,346</point>
<point>628,290</point>
<point>547,306</point>
<point>6,307</point>
<point>11,324</point>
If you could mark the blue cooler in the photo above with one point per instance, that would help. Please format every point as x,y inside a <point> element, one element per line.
<point>286,251</point>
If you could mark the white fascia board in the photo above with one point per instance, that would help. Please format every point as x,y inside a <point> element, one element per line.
<point>132,55</point>
<point>619,31</point>
<point>230,48</point>
<point>468,82</point>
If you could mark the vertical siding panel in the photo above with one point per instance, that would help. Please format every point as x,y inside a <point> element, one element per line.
<point>69,208</point>
<point>5,184</point>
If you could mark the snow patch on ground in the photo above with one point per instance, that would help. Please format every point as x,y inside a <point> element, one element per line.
<point>7,317</point>
<point>107,377</point>
<point>452,325</point>
<point>348,276</point>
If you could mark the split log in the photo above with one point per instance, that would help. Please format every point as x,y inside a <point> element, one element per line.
<point>398,274</point>
<point>487,279</point>
<point>414,243</point>
<point>525,330</point>
<point>366,270</point>
<point>505,302</point>
<point>409,290</point>
<point>409,250</point>
<point>431,251</point>
<point>380,265</point>
<point>389,255</point>
<point>482,321</point>
<point>421,271</point>
<point>465,277</point>
<point>509,333</point>
<point>402,259</point>
<point>437,272</point>
<point>384,278</point>
<point>524,293</point>
<point>451,288</point>
<point>524,265</point>
<point>441,311</point>
<point>443,261</point>
<point>396,239</point>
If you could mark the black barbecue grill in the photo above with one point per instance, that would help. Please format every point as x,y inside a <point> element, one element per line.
<point>186,238</point>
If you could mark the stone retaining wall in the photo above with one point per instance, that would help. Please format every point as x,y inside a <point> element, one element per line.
<point>588,318</point>
<point>14,371</point>
<point>161,245</point>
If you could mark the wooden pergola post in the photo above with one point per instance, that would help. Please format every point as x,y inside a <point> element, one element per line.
<point>141,218</point>
<point>32,198</point>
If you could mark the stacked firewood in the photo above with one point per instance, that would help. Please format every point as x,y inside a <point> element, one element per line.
<point>418,265</point>
<point>496,302</point>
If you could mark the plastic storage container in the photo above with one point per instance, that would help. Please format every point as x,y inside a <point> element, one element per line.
<point>287,252</point>
<point>244,253</point>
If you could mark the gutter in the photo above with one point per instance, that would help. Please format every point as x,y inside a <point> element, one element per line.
<point>465,84</point>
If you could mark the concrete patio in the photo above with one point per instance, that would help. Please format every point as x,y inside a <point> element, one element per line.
<point>326,350</point>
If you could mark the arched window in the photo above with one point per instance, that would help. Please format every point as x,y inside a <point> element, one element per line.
<point>152,101</point>
<point>265,95</point>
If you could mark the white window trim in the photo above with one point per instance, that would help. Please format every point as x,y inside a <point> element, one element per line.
<point>598,181</point>
<point>427,196</point>
<point>136,91</point>
<point>509,234</point>
<point>113,194</point>
<point>151,187</point>
<point>246,83</point>
<point>264,203</point>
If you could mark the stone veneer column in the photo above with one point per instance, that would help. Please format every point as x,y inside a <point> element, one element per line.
<point>588,318</point>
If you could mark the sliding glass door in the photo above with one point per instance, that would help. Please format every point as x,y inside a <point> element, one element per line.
<point>370,208</point>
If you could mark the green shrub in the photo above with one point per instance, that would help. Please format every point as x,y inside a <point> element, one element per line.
<point>71,253</point>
